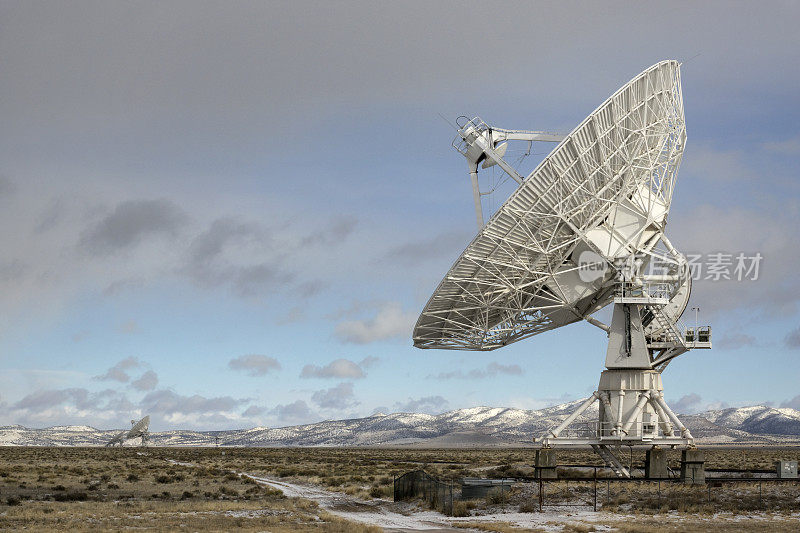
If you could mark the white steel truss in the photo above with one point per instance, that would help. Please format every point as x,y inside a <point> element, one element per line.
<point>606,188</point>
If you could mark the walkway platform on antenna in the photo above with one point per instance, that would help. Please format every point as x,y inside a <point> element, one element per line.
<point>643,299</point>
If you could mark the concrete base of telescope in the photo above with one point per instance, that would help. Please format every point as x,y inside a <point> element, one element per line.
<point>546,463</point>
<point>655,463</point>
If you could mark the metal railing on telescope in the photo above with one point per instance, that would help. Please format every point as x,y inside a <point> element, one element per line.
<point>595,429</point>
<point>648,290</point>
<point>420,484</point>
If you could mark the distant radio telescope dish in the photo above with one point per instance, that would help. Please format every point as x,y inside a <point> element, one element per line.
<point>140,429</point>
<point>585,229</point>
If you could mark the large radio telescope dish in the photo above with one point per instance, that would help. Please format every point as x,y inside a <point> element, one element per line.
<point>575,236</point>
<point>606,188</point>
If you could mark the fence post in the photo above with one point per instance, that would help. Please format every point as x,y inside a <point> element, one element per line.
<point>595,489</point>
<point>451,499</point>
<point>540,494</point>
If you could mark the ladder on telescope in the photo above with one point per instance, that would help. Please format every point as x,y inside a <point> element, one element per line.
<point>611,460</point>
<point>669,329</point>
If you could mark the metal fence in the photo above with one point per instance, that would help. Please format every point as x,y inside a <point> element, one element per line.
<point>724,490</point>
<point>720,494</point>
<point>420,484</point>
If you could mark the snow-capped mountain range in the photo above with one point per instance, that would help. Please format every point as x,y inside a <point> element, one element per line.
<point>475,426</point>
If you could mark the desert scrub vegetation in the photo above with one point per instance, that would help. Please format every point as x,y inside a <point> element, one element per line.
<point>731,497</point>
<point>716,524</point>
<point>117,486</point>
<point>286,515</point>
<point>98,489</point>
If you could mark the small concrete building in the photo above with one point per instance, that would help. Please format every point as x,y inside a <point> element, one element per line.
<point>477,488</point>
<point>786,469</point>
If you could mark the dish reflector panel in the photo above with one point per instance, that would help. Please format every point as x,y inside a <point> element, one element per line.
<point>605,189</point>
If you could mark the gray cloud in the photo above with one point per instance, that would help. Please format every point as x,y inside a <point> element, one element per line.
<point>254,365</point>
<point>491,370</point>
<point>51,405</point>
<point>7,187</point>
<point>447,245</point>
<point>389,322</point>
<point>334,233</point>
<point>789,147</point>
<point>412,53</point>
<point>254,410</point>
<point>118,286</point>
<point>146,381</point>
<point>50,216</point>
<point>340,368</point>
<point>308,289</point>
<point>233,253</point>
<point>728,229</point>
<point>45,399</point>
<point>368,361</point>
<point>294,412</point>
<point>794,403</point>
<point>339,397</point>
<point>253,280</point>
<point>168,402</point>
<point>688,404</point>
<point>734,341</point>
<point>292,316</point>
<point>428,404</point>
<point>109,406</point>
<point>119,372</point>
<point>209,245</point>
<point>130,222</point>
<point>693,403</point>
<point>792,339</point>
<point>12,270</point>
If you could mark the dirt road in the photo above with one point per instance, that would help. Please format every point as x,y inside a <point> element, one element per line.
<point>389,515</point>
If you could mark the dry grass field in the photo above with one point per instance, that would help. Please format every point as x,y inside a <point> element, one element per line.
<point>124,488</point>
<point>199,489</point>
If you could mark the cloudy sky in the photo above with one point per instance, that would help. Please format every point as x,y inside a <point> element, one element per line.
<point>230,214</point>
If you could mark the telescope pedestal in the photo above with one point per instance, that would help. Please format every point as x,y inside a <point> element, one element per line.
<point>632,410</point>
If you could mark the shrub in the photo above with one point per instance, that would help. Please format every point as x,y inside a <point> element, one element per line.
<point>227,491</point>
<point>381,491</point>
<point>460,509</point>
<point>71,497</point>
<point>497,496</point>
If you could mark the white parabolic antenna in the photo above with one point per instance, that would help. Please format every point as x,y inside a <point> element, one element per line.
<point>585,229</point>
<point>140,429</point>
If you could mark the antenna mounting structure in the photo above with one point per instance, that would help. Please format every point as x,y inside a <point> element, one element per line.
<point>584,230</point>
